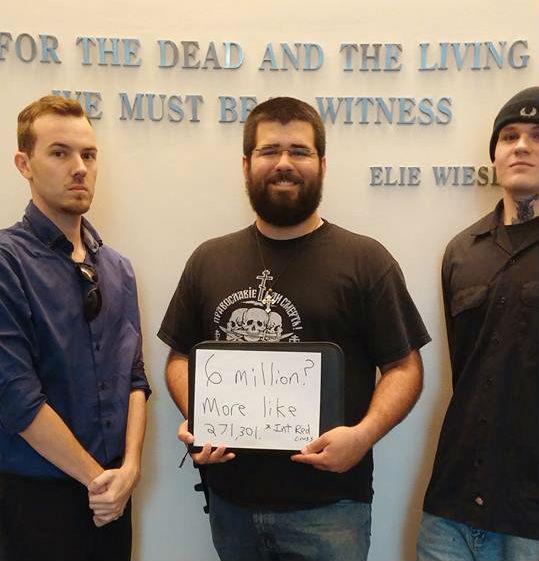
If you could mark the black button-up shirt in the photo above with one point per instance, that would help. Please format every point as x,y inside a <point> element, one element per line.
<point>486,471</point>
<point>49,353</point>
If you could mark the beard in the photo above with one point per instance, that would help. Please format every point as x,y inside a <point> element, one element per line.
<point>284,208</point>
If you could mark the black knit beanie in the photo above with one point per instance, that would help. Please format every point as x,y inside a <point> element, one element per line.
<point>521,108</point>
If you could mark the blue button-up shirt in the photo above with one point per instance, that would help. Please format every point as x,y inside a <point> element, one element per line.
<point>50,354</point>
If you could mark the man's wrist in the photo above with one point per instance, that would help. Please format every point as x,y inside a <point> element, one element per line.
<point>93,472</point>
<point>132,468</point>
<point>366,431</point>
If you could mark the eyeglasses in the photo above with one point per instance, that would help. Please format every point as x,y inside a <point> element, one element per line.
<point>274,153</point>
<point>92,301</point>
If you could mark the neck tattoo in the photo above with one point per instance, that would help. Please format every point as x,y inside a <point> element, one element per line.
<point>525,210</point>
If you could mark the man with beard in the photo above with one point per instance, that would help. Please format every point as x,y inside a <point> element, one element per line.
<point>72,383</point>
<point>316,282</point>
<point>482,503</point>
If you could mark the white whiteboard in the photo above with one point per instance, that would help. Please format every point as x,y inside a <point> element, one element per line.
<point>256,399</point>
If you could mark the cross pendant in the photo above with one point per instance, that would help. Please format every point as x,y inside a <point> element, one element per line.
<point>268,301</point>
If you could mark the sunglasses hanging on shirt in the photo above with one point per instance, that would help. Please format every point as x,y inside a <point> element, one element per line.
<point>92,300</point>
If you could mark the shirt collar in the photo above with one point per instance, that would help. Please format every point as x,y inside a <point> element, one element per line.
<point>490,222</point>
<point>91,238</point>
<point>53,237</point>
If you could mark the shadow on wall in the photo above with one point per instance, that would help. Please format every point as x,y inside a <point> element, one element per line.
<point>149,461</point>
<point>436,416</point>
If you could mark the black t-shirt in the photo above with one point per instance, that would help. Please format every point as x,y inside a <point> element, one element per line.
<point>330,285</point>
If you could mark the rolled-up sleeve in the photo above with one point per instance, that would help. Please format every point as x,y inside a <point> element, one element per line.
<point>138,372</point>
<point>139,380</point>
<point>21,394</point>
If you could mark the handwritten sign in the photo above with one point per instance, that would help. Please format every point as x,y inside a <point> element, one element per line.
<point>256,399</point>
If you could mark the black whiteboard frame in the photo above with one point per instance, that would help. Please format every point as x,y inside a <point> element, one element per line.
<point>331,381</point>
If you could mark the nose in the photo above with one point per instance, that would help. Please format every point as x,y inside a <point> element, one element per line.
<point>284,161</point>
<point>523,143</point>
<point>79,166</point>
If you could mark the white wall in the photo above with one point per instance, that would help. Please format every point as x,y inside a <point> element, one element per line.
<point>164,187</point>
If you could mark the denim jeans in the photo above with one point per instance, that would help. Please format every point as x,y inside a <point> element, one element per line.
<point>441,539</point>
<point>336,532</point>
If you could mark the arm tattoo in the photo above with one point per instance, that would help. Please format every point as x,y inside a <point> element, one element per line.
<point>525,210</point>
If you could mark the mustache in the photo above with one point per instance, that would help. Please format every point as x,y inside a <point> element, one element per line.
<point>284,176</point>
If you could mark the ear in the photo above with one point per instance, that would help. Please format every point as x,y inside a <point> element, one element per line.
<point>22,163</point>
<point>245,165</point>
<point>323,166</point>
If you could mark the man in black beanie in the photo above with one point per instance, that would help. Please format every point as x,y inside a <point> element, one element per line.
<point>482,503</point>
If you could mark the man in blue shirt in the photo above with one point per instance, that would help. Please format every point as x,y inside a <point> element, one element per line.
<point>72,383</point>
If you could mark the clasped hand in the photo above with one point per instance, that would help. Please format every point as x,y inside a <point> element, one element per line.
<point>109,492</point>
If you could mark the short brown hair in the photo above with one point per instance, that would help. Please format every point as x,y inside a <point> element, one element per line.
<point>54,104</point>
<point>283,110</point>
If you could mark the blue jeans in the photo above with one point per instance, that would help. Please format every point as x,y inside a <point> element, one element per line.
<point>339,531</point>
<point>441,539</point>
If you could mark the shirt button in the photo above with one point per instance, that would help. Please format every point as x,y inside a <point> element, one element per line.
<point>479,501</point>
<point>108,424</point>
<point>503,300</point>
<point>102,386</point>
<point>97,347</point>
